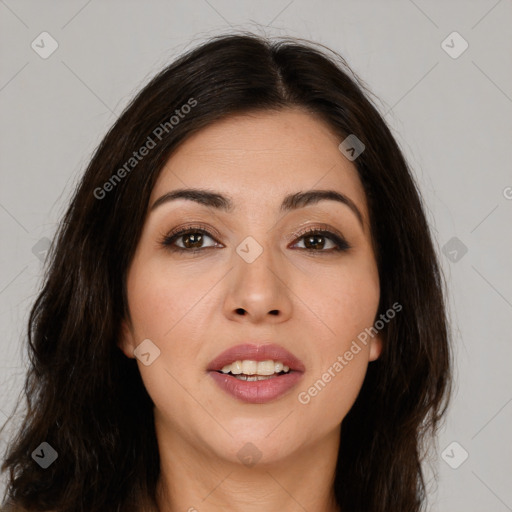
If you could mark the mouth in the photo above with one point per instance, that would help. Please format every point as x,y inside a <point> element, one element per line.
<point>252,370</point>
<point>256,373</point>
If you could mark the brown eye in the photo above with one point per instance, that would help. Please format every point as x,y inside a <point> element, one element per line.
<point>192,240</point>
<point>315,240</point>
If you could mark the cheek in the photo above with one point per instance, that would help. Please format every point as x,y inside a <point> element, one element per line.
<point>331,387</point>
<point>160,296</point>
<point>161,306</point>
<point>165,307</point>
<point>347,307</point>
<point>347,304</point>
<point>328,397</point>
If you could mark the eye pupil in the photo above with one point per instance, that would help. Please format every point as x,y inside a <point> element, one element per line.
<point>196,238</point>
<point>309,240</point>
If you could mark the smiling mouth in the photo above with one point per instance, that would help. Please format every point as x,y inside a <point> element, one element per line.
<point>256,374</point>
<point>250,370</point>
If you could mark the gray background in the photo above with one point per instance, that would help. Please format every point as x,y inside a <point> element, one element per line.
<point>451,116</point>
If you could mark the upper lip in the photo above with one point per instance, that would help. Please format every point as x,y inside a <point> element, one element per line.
<point>253,352</point>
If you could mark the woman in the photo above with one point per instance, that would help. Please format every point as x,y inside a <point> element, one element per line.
<point>244,309</point>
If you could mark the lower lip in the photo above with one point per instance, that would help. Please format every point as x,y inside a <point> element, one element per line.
<point>258,391</point>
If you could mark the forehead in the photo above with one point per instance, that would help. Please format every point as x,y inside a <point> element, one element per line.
<point>258,158</point>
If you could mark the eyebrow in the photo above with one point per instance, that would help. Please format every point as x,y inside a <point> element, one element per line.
<point>291,202</point>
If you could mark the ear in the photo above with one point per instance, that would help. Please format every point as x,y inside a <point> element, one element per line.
<point>376,347</point>
<point>126,339</point>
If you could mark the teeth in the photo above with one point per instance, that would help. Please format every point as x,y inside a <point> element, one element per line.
<point>252,378</point>
<point>236,368</point>
<point>255,368</point>
<point>265,368</point>
<point>249,367</point>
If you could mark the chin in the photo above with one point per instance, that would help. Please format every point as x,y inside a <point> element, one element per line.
<point>256,441</point>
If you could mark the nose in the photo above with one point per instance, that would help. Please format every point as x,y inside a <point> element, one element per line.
<point>258,291</point>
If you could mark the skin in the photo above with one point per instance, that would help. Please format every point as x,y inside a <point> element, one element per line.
<point>189,306</point>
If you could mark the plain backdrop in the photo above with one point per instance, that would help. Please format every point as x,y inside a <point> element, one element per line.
<point>450,108</point>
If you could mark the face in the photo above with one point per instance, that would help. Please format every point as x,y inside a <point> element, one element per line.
<point>249,275</point>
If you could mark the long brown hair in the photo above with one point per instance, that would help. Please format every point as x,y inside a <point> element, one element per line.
<point>87,400</point>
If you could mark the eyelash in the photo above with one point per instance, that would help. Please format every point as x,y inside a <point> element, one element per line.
<point>168,240</point>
